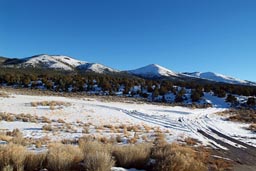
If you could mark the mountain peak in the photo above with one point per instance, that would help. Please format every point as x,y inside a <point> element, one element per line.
<point>153,70</point>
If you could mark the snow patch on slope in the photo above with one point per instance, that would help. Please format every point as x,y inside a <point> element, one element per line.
<point>45,61</point>
<point>62,62</point>
<point>94,67</point>
<point>216,77</point>
<point>68,60</point>
<point>153,70</point>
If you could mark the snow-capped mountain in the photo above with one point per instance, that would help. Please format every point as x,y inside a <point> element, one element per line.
<point>57,62</point>
<point>218,78</point>
<point>94,67</point>
<point>153,70</point>
<point>54,62</point>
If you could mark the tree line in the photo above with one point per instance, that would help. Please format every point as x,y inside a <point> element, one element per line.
<point>55,80</point>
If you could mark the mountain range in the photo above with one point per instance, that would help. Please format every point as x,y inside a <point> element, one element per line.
<point>152,71</point>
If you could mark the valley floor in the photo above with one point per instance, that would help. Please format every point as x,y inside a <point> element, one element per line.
<point>77,117</point>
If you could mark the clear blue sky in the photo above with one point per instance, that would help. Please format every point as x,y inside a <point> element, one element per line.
<point>182,35</point>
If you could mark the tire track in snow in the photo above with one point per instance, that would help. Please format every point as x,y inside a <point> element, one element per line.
<point>198,124</point>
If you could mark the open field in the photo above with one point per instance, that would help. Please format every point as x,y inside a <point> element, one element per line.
<point>42,120</point>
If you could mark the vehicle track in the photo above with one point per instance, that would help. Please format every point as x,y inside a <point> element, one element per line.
<point>227,146</point>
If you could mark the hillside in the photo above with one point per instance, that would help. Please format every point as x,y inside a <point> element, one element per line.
<point>152,71</point>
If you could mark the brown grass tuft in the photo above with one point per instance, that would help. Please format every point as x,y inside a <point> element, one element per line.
<point>176,158</point>
<point>34,161</point>
<point>12,156</point>
<point>132,156</point>
<point>98,161</point>
<point>252,127</point>
<point>63,157</point>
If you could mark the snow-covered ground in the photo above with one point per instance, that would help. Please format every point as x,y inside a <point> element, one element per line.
<point>178,122</point>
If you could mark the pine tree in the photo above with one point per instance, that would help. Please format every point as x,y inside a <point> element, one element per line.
<point>231,99</point>
<point>251,101</point>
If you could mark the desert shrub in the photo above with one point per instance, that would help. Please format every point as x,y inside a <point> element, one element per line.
<point>4,94</point>
<point>191,141</point>
<point>98,161</point>
<point>119,139</point>
<point>132,156</point>
<point>62,157</point>
<point>45,120</point>
<point>88,146</point>
<point>218,164</point>
<point>17,137</point>
<point>5,137</point>
<point>34,161</point>
<point>252,127</point>
<point>247,116</point>
<point>176,158</point>
<point>60,121</point>
<point>47,127</point>
<point>12,156</point>
<point>97,155</point>
<point>160,139</point>
<point>50,103</point>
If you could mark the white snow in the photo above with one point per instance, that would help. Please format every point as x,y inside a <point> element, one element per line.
<point>153,70</point>
<point>180,121</point>
<point>68,60</point>
<point>217,77</point>
<point>45,61</point>
<point>98,68</point>
<point>62,62</point>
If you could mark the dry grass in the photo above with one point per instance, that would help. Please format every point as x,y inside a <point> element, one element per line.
<point>47,127</point>
<point>34,161</point>
<point>4,94</point>
<point>17,137</point>
<point>50,103</point>
<point>96,155</point>
<point>92,155</point>
<point>61,121</point>
<point>98,161</point>
<point>63,157</point>
<point>252,127</point>
<point>160,139</point>
<point>242,115</point>
<point>45,120</point>
<point>12,156</point>
<point>88,146</point>
<point>86,130</point>
<point>132,156</point>
<point>7,117</point>
<point>191,141</point>
<point>4,137</point>
<point>119,139</point>
<point>176,158</point>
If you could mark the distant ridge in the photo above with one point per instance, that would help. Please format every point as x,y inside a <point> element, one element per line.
<point>152,71</point>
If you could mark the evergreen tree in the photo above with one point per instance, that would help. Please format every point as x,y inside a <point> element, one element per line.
<point>251,101</point>
<point>195,96</point>
<point>231,99</point>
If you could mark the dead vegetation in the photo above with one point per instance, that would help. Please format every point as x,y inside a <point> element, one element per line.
<point>132,156</point>
<point>51,104</point>
<point>252,127</point>
<point>90,154</point>
<point>4,94</point>
<point>242,115</point>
